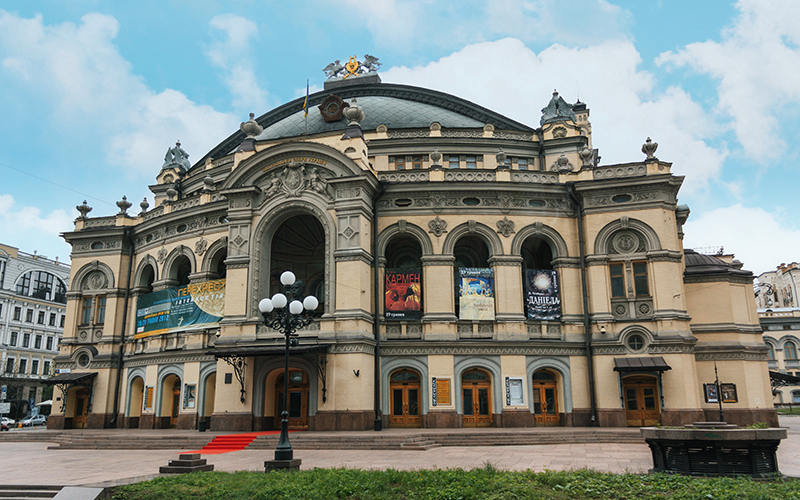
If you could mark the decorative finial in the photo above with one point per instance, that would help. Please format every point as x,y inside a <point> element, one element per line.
<point>208,183</point>
<point>353,113</point>
<point>83,209</point>
<point>144,205</point>
<point>436,156</point>
<point>587,157</point>
<point>649,149</point>
<point>123,205</point>
<point>172,193</point>
<point>501,157</point>
<point>251,128</point>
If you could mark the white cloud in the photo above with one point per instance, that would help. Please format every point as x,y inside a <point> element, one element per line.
<point>89,86</point>
<point>231,53</point>
<point>27,224</point>
<point>624,106</point>
<point>756,65</point>
<point>758,238</point>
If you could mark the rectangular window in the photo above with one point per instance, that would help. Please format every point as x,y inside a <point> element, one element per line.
<point>52,319</point>
<point>10,365</point>
<point>640,279</point>
<point>472,162</point>
<point>400,163</point>
<point>46,368</point>
<point>790,351</point>
<point>87,311</point>
<point>2,273</point>
<point>32,394</point>
<point>29,315</point>
<point>17,313</point>
<point>61,322</point>
<point>101,310</point>
<point>37,342</point>
<point>41,318</point>
<point>617,280</point>
<point>26,340</point>
<point>452,162</point>
<point>522,164</point>
<point>49,343</point>
<point>1,310</point>
<point>13,340</point>
<point>417,162</point>
<point>23,365</point>
<point>35,367</point>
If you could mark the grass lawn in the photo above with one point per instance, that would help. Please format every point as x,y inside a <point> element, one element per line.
<point>487,483</point>
<point>788,411</point>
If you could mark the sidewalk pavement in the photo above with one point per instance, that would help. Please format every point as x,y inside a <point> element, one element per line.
<point>33,463</point>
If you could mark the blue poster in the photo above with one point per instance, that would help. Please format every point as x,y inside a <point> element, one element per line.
<point>476,293</point>
<point>178,308</point>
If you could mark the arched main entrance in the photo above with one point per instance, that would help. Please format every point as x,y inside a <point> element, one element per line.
<point>545,398</point>
<point>298,399</point>
<point>404,386</point>
<point>641,400</point>
<point>476,395</point>
<point>135,402</point>
<point>170,401</point>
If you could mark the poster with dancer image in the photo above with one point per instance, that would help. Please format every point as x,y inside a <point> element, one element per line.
<point>543,302</point>
<point>476,293</point>
<point>403,294</point>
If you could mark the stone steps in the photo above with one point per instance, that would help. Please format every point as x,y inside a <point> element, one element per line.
<point>27,491</point>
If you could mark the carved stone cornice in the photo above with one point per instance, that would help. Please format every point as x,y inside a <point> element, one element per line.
<point>506,260</point>
<point>725,328</point>
<point>741,280</point>
<point>438,260</point>
<point>567,262</point>
<point>665,256</point>
<point>134,360</point>
<point>352,254</point>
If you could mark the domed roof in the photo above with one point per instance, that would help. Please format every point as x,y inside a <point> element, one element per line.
<point>396,106</point>
<point>698,264</point>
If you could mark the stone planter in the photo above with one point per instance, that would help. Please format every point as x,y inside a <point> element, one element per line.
<point>714,449</point>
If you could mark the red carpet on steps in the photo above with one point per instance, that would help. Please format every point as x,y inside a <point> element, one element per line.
<point>231,442</point>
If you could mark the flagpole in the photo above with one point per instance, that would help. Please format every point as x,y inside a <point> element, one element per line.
<point>305,107</point>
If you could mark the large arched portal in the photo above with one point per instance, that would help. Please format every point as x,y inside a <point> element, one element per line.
<point>299,246</point>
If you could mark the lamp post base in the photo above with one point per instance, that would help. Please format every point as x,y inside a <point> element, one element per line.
<point>282,465</point>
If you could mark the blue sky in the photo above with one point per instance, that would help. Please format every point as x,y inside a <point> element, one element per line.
<point>93,93</point>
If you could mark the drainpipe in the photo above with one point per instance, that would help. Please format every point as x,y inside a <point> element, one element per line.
<point>376,327</point>
<point>124,323</point>
<point>578,200</point>
<point>540,135</point>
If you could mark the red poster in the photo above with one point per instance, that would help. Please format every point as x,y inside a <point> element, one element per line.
<point>403,294</point>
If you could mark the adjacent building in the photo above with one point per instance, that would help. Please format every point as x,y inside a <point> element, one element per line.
<point>471,270</point>
<point>33,297</point>
<point>778,289</point>
<point>782,336</point>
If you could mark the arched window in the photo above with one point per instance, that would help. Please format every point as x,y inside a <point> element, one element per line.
<point>790,351</point>
<point>403,283</point>
<point>147,277</point>
<point>42,285</point>
<point>299,246</point>
<point>472,252</point>
<point>183,268</point>
<point>770,352</point>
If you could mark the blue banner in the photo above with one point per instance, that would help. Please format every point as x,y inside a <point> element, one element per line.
<point>176,309</point>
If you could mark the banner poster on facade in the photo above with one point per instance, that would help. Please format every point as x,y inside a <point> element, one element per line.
<point>403,294</point>
<point>476,293</point>
<point>542,290</point>
<point>172,309</point>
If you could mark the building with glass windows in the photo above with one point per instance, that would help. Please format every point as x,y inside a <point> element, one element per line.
<point>33,297</point>
<point>782,336</point>
<point>471,270</point>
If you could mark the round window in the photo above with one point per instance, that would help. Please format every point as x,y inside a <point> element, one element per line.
<point>84,360</point>
<point>636,342</point>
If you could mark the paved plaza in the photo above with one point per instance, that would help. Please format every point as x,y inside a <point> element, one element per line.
<point>33,463</point>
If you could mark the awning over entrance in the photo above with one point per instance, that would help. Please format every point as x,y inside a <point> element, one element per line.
<point>239,351</point>
<point>644,364</point>
<point>70,378</point>
<point>778,379</point>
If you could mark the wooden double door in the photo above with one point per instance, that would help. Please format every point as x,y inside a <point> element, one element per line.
<point>545,399</point>
<point>476,397</point>
<point>406,391</point>
<point>81,409</point>
<point>297,401</point>
<point>641,401</point>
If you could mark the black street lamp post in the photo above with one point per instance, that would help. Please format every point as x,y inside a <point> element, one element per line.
<point>289,317</point>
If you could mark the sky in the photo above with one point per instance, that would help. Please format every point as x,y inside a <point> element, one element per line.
<point>92,94</point>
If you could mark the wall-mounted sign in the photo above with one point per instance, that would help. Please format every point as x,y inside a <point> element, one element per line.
<point>189,391</point>
<point>177,308</point>
<point>476,293</point>
<point>440,391</point>
<point>147,400</point>
<point>711,394</point>
<point>543,302</point>
<point>514,393</point>
<point>729,394</point>
<point>403,294</point>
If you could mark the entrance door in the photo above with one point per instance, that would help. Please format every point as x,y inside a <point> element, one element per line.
<point>476,392</point>
<point>81,409</point>
<point>405,389</point>
<point>298,400</point>
<point>176,401</point>
<point>641,401</point>
<point>545,398</point>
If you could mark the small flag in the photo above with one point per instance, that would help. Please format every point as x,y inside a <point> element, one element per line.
<point>305,103</point>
